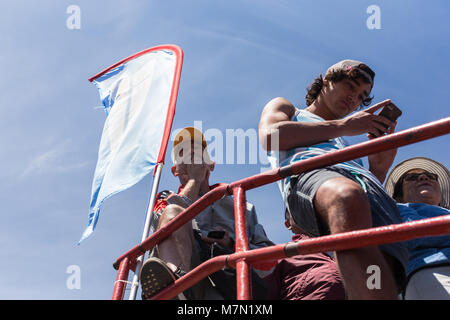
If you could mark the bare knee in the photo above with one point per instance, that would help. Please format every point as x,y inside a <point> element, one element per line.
<point>183,236</point>
<point>176,249</point>
<point>170,212</point>
<point>344,205</point>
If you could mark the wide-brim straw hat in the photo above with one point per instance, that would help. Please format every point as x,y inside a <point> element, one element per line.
<point>424,164</point>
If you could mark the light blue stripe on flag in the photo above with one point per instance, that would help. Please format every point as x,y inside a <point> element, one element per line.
<point>136,98</point>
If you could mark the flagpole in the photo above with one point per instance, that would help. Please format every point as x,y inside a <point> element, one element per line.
<point>148,223</point>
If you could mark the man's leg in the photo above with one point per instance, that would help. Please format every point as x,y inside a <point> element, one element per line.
<point>343,205</point>
<point>176,250</point>
<point>173,253</point>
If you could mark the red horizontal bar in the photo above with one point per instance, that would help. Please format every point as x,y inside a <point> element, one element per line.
<point>395,140</point>
<point>188,214</point>
<point>338,242</point>
<point>391,141</point>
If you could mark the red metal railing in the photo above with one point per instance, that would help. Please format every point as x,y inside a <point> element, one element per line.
<point>244,290</point>
<point>243,257</point>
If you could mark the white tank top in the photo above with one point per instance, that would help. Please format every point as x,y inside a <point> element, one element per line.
<point>283,158</point>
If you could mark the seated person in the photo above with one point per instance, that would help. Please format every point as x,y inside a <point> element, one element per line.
<point>193,243</point>
<point>421,188</point>
<point>305,277</point>
<point>345,196</point>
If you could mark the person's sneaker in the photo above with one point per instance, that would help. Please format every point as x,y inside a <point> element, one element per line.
<point>155,276</point>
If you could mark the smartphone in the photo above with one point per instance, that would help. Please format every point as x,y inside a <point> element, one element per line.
<point>391,112</point>
<point>216,234</point>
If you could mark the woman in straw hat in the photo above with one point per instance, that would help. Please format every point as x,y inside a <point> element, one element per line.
<point>421,187</point>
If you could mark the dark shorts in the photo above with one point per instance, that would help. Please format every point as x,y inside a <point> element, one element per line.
<point>383,208</point>
<point>306,277</point>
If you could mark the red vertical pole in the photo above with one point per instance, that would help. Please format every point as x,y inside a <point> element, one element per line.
<point>243,275</point>
<point>121,281</point>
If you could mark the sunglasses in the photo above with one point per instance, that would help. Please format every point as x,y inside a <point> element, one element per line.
<point>415,176</point>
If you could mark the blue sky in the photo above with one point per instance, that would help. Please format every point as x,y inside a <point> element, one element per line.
<point>237,56</point>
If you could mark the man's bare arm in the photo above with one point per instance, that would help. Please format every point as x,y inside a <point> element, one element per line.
<point>278,132</point>
<point>276,119</point>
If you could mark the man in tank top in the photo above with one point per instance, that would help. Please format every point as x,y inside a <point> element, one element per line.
<point>346,196</point>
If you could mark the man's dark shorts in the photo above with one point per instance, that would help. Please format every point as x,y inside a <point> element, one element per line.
<point>306,277</point>
<point>384,209</point>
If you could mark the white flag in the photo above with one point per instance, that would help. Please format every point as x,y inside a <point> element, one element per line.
<point>139,95</point>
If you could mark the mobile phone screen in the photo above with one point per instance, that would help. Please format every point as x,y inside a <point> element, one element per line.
<point>391,111</point>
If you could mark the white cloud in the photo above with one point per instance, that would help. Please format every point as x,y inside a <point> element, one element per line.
<point>53,160</point>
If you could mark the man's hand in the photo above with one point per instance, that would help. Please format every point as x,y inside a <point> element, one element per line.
<point>197,172</point>
<point>366,121</point>
<point>193,177</point>
<point>380,163</point>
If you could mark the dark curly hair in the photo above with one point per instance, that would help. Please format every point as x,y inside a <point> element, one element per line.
<point>315,88</point>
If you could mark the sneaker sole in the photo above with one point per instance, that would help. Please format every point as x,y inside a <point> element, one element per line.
<point>155,276</point>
